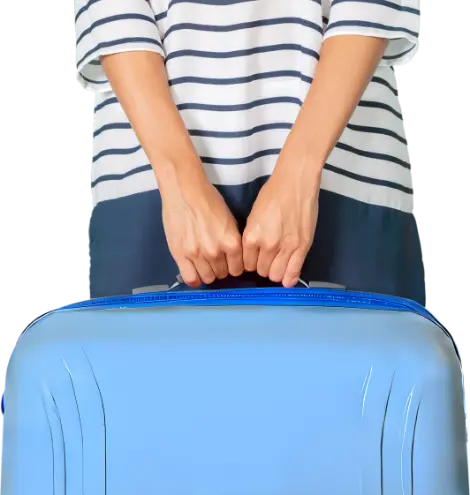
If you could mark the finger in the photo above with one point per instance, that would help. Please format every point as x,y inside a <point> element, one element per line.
<point>204,270</point>
<point>250,254</point>
<point>279,265</point>
<point>234,257</point>
<point>250,259</point>
<point>294,267</point>
<point>232,250</point>
<point>235,264</point>
<point>265,260</point>
<point>216,259</point>
<point>219,266</point>
<point>188,273</point>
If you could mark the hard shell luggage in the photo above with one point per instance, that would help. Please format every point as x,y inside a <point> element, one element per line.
<point>236,392</point>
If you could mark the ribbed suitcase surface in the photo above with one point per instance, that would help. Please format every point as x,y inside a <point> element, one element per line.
<point>238,392</point>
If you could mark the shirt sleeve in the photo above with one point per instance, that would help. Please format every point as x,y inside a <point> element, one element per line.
<point>395,20</point>
<point>105,27</point>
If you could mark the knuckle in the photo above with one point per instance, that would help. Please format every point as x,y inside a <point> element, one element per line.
<point>250,240</point>
<point>232,245</point>
<point>211,252</point>
<point>191,251</point>
<point>291,242</point>
<point>271,244</point>
<point>306,240</point>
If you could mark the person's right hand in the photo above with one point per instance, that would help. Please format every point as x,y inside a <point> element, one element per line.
<point>201,232</point>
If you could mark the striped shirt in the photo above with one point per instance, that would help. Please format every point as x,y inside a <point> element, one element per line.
<point>239,71</point>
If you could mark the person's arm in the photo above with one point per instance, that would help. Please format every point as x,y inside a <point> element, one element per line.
<point>281,226</point>
<point>140,83</point>
<point>119,48</point>
<point>202,234</point>
<point>360,34</point>
<point>346,67</point>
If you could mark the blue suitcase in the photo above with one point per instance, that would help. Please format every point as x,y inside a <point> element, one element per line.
<point>236,392</point>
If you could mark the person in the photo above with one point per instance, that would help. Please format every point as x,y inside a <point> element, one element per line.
<point>250,139</point>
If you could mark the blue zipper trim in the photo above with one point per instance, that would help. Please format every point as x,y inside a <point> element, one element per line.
<point>271,296</point>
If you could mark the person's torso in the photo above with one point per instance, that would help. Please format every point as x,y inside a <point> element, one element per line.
<point>239,72</point>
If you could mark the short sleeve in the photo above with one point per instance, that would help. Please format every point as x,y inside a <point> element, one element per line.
<point>104,27</point>
<point>395,20</point>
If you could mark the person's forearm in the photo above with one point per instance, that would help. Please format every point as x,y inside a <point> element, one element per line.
<point>141,86</point>
<point>347,63</point>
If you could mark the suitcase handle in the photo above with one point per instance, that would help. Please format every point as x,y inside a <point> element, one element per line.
<point>180,285</point>
<point>300,284</point>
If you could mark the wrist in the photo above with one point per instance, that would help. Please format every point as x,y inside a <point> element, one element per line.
<point>300,163</point>
<point>184,173</point>
<point>312,136</point>
<point>298,176</point>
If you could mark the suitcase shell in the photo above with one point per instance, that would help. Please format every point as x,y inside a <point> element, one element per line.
<point>238,392</point>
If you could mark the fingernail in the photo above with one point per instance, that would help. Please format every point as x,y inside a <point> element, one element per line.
<point>290,285</point>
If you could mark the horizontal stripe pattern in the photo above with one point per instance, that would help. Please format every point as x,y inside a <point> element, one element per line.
<point>105,27</point>
<point>110,19</point>
<point>211,28</point>
<point>395,20</point>
<point>361,188</point>
<point>398,6</point>
<point>286,47</point>
<point>239,71</point>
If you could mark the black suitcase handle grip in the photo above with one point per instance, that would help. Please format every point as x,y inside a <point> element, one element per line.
<point>180,285</point>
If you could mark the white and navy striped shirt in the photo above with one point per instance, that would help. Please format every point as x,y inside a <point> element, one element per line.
<point>239,71</point>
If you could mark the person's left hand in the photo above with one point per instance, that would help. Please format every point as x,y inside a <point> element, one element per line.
<point>281,225</point>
